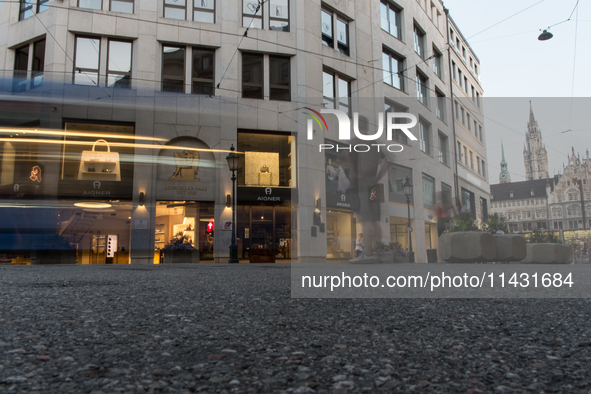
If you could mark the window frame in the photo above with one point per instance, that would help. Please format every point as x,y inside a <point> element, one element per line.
<point>399,74</point>
<point>175,6</point>
<point>122,1</point>
<point>443,155</point>
<point>422,83</point>
<point>203,10</point>
<point>326,39</point>
<point>343,48</point>
<point>89,8</point>
<point>440,105</point>
<point>24,7</point>
<point>397,10</point>
<point>173,77</point>
<point>108,72</point>
<point>280,87</point>
<point>437,63</point>
<point>262,76</point>
<point>253,16</point>
<point>272,18</point>
<point>424,136</point>
<point>336,99</point>
<point>419,37</point>
<point>42,3</point>
<point>85,70</point>
<point>198,79</point>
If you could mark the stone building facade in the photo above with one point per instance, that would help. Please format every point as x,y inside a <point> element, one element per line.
<point>128,108</point>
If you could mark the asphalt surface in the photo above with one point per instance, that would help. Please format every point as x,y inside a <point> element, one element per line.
<point>235,329</point>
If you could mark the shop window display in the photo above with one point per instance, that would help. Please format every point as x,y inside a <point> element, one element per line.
<point>339,235</point>
<point>266,160</point>
<point>193,219</point>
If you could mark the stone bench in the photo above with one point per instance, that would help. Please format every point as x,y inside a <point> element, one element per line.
<point>548,254</point>
<point>510,248</point>
<point>467,247</point>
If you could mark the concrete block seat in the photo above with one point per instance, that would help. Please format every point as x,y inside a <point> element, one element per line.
<point>510,248</point>
<point>467,247</point>
<point>548,253</point>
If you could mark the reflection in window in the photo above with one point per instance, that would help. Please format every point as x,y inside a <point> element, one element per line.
<point>334,86</point>
<point>279,78</point>
<point>343,36</point>
<point>203,67</point>
<point>393,70</point>
<point>279,15</point>
<point>252,75</point>
<point>326,26</point>
<point>119,64</point>
<point>396,178</point>
<point>21,63</point>
<point>391,18</point>
<point>125,6</point>
<point>267,159</point>
<point>204,11</point>
<point>252,14</point>
<point>175,9</point>
<point>419,38</point>
<point>173,69</point>
<point>26,9</point>
<point>86,64</point>
<point>42,5</point>
<point>92,4</point>
<point>428,191</point>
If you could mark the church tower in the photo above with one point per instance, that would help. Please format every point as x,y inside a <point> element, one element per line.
<point>534,152</point>
<point>504,176</point>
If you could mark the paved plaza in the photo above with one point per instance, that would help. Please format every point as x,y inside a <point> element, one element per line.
<point>235,329</point>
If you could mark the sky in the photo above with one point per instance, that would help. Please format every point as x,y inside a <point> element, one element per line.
<point>516,67</point>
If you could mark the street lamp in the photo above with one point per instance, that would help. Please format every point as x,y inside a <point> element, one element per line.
<point>233,164</point>
<point>408,193</point>
<point>546,35</point>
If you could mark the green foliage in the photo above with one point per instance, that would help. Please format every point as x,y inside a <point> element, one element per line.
<point>495,223</point>
<point>463,221</point>
<point>179,242</point>
<point>539,237</point>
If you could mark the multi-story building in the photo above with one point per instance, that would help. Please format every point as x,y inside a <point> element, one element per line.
<point>118,116</point>
<point>468,123</point>
<point>562,202</point>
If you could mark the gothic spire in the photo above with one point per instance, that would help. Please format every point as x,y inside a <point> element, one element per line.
<point>503,154</point>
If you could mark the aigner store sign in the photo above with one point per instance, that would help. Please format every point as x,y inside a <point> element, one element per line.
<point>96,189</point>
<point>267,194</point>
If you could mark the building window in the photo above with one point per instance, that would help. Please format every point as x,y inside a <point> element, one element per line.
<point>391,18</point>
<point>266,160</point>
<point>396,178</point>
<point>203,71</point>
<point>440,105</point>
<point>478,166</point>
<point>424,136</point>
<point>335,86</point>
<point>473,94</point>
<point>464,52</point>
<point>125,6</point>
<point>468,119</point>
<point>419,38</point>
<point>393,70</point>
<point>25,9</point>
<point>279,15</point>
<point>327,28</point>
<point>173,9</point>
<point>279,78</point>
<point>457,107</point>
<point>471,161</point>
<point>428,192</point>
<point>475,129</point>
<point>460,77</point>
<point>119,64</point>
<point>443,156</point>
<point>483,169</point>
<point>463,116</point>
<point>204,11</point>
<point>173,69</point>
<point>22,79</point>
<point>459,152</point>
<point>437,63</point>
<point>86,61</point>
<point>42,5</point>
<point>252,14</point>
<point>478,99</point>
<point>398,134</point>
<point>465,156</point>
<point>422,94</point>
<point>453,70</point>
<point>252,75</point>
<point>466,84</point>
<point>343,36</point>
<point>480,132</point>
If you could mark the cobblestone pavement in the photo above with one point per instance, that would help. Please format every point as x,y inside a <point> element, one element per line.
<point>235,329</point>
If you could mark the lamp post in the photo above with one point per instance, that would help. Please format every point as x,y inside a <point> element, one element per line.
<point>408,193</point>
<point>233,164</point>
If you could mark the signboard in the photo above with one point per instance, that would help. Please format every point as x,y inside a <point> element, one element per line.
<point>266,194</point>
<point>96,189</point>
<point>338,200</point>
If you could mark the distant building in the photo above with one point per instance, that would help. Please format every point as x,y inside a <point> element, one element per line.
<point>541,202</point>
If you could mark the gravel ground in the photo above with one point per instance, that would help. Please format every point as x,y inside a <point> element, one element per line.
<point>235,329</point>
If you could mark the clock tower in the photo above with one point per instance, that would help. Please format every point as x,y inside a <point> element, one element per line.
<point>534,152</point>
<point>504,176</point>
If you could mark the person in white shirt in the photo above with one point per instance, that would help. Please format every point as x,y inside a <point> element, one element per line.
<point>359,245</point>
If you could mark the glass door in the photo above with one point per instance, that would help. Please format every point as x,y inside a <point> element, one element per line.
<point>262,237</point>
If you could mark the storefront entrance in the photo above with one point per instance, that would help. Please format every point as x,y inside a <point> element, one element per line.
<point>193,221</point>
<point>264,233</point>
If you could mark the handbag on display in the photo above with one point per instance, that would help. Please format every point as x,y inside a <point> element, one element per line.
<point>99,165</point>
